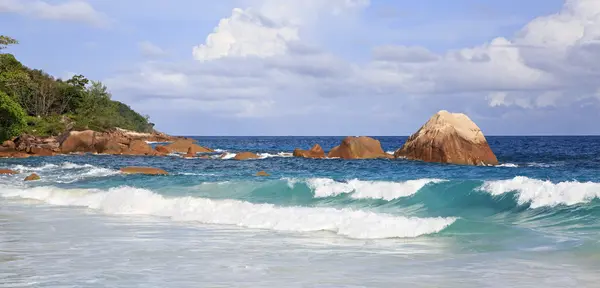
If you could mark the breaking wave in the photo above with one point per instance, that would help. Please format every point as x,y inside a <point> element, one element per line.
<point>539,193</point>
<point>134,201</point>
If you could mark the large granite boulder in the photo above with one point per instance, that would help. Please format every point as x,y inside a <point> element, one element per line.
<point>315,152</point>
<point>358,148</point>
<point>78,141</point>
<point>449,138</point>
<point>143,170</point>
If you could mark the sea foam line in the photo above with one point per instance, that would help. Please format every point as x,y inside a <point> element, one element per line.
<point>385,190</point>
<point>134,201</point>
<point>544,193</point>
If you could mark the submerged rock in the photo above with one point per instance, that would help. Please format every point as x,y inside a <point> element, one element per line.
<point>449,138</point>
<point>262,173</point>
<point>245,156</point>
<point>358,148</point>
<point>32,177</point>
<point>315,152</point>
<point>143,170</point>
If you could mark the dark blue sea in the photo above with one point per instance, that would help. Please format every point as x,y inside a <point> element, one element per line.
<point>532,221</point>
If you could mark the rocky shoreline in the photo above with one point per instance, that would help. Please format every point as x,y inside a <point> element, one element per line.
<point>446,138</point>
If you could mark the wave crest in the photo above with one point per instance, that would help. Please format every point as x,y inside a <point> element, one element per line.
<point>134,201</point>
<point>325,187</point>
<point>540,193</point>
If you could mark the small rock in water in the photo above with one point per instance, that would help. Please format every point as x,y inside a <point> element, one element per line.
<point>143,170</point>
<point>32,177</point>
<point>262,173</point>
<point>8,172</point>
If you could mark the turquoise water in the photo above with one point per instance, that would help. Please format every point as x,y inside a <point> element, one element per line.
<point>532,221</point>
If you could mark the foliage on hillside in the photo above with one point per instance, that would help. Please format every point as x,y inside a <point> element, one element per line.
<point>34,102</point>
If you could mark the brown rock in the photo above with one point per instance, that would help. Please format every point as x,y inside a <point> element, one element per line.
<point>449,138</point>
<point>358,148</point>
<point>162,149</point>
<point>8,172</point>
<point>110,146</point>
<point>8,144</point>
<point>139,147</point>
<point>11,153</point>
<point>183,145</point>
<point>78,141</point>
<point>41,151</point>
<point>190,153</point>
<point>143,170</point>
<point>245,156</point>
<point>262,173</point>
<point>32,177</point>
<point>315,152</point>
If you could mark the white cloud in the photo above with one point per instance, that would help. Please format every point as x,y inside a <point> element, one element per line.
<point>259,62</point>
<point>246,33</point>
<point>72,10</point>
<point>269,29</point>
<point>149,49</point>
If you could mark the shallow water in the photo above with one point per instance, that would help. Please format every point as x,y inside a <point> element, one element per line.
<point>532,221</point>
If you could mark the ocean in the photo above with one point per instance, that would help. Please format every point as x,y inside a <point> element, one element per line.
<point>532,221</point>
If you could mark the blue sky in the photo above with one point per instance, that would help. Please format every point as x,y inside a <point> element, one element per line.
<point>316,67</point>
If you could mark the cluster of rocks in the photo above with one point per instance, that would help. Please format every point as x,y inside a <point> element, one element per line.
<point>115,142</point>
<point>446,138</point>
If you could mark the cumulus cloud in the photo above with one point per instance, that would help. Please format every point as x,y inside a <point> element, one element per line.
<point>269,29</point>
<point>259,62</point>
<point>73,10</point>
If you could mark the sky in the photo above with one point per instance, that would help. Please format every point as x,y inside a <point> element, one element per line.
<point>326,67</point>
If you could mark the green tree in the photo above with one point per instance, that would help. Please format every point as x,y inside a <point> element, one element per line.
<point>12,117</point>
<point>5,41</point>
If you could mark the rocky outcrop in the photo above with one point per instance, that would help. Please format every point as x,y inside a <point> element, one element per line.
<point>184,146</point>
<point>449,138</point>
<point>315,152</point>
<point>358,148</point>
<point>143,170</point>
<point>262,174</point>
<point>80,141</point>
<point>245,156</point>
<point>32,177</point>
<point>8,172</point>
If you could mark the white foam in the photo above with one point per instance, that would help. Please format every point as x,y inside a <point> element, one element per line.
<point>390,152</point>
<point>220,150</point>
<point>508,165</point>
<point>134,201</point>
<point>325,187</point>
<point>280,154</point>
<point>227,156</point>
<point>66,172</point>
<point>544,193</point>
